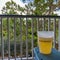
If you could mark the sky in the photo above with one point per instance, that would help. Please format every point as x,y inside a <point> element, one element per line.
<point>2,3</point>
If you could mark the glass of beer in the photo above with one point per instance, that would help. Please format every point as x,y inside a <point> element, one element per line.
<point>45,39</point>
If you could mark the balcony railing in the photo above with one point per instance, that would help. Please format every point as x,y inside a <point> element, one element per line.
<point>18,34</point>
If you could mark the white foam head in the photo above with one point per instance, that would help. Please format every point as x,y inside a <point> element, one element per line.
<point>45,34</point>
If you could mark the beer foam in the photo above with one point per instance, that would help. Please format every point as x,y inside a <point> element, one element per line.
<point>46,34</point>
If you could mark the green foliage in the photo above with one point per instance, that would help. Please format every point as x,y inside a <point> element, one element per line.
<point>11,8</point>
<point>38,7</point>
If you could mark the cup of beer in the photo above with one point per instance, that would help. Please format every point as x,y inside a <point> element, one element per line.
<point>45,39</point>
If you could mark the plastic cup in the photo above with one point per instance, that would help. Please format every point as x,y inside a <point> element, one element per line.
<point>45,39</point>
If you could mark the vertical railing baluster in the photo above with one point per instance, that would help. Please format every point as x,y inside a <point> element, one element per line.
<point>40,24</point>
<point>48,24</point>
<point>37,24</point>
<point>59,35</point>
<point>15,38</point>
<point>21,38</point>
<point>32,28</point>
<point>43,24</point>
<point>8,37</point>
<point>2,41</point>
<point>54,31</point>
<point>0,35</point>
<point>26,38</point>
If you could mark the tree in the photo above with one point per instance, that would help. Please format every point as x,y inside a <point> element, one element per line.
<point>58,4</point>
<point>29,10</point>
<point>40,7</point>
<point>11,8</point>
<point>51,6</point>
<point>44,7</point>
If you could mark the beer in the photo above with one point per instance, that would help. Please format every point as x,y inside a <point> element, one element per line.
<point>45,39</point>
<point>45,45</point>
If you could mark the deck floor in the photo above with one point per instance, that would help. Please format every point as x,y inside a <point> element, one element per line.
<point>30,58</point>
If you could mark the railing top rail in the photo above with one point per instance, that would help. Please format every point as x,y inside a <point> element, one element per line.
<point>30,16</point>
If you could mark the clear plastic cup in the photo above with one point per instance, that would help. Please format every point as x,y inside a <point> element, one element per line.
<point>45,39</point>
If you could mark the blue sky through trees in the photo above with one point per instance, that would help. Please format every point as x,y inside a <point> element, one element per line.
<point>26,1</point>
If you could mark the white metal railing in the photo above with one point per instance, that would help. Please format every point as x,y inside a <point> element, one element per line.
<point>27,36</point>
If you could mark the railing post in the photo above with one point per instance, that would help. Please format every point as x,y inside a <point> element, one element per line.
<point>8,37</point>
<point>59,37</point>
<point>37,24</point>
<point>15,38</point>
<point>43,24</point>
<point>32,29</point>
<point>54,28</point>
<point>21,42</point>
<point>26,38</point>
<point>49,24</point>
<point>2,40</point>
